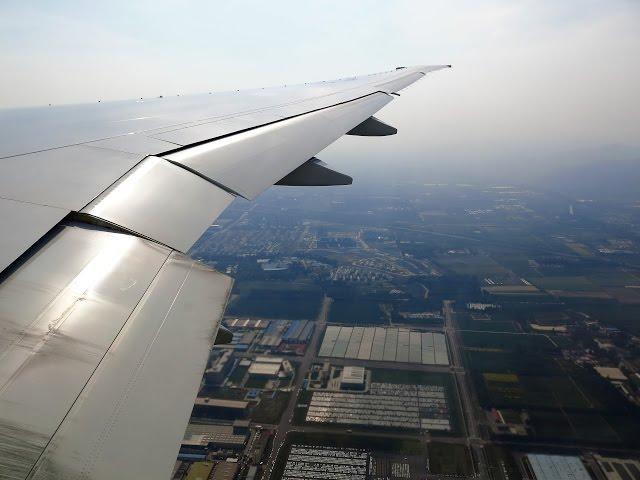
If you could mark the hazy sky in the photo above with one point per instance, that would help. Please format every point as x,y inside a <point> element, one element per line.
<point>529,77</point>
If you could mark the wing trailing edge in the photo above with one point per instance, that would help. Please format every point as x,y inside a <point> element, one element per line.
<point>92,327</point>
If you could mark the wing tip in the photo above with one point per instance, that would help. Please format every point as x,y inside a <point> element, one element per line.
<point>424,69</point>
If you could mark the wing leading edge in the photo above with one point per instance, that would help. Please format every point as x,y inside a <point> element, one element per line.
<point>105,327</point>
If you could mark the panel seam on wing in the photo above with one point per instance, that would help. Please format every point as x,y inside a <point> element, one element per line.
<point>246,112</point>
<point>113,418</point>
<point>248,129</point>
<point>35,465</point>
<point>204,177</point>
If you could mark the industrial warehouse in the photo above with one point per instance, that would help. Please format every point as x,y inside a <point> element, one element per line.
<point>266,336</point>
<point>385,344</point>
<point>552,467</point>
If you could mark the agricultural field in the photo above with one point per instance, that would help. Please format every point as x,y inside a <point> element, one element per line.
<point>478,265</point>
<point>255,382</point>
<point>357,311</point>
<point>238,374</point>
<point>449,459</point>
<point>569,284</point>
<point>524,372</point>
<point>501,463</point>
<point>508,342</point>
<point>616,278</point>
<point>270,409</point>
<point>275,300</point>
<point>490,324</point>
<point>624,317</point>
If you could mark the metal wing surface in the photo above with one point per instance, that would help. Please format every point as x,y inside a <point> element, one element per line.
<point>105,324</point>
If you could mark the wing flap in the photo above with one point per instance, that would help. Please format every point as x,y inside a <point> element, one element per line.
<point>90,325</point>
<point>162,201</point>
<point>139,399</point>
<point>59,313</point>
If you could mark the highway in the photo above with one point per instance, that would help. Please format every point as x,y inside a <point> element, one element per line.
<point>474,440</point>
<point>301,371</point>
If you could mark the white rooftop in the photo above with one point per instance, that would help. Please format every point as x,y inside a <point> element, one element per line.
<point>353,375</point>
<point>269,360</point>
<point>270,369</point>
<point>611,373</point>
<point>557,467</point>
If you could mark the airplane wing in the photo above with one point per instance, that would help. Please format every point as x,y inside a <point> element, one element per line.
<point>105,323</point>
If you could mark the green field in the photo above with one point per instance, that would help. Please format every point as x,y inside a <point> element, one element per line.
<point>587,427</point>
<point>565,402</point>
<point>614,278</point>
<point>255,383</point>
<point>466,322</point>
<point>476,265</point>
<point>487,360</point>
<point>269,410</point>
<point>356,311</point>
<point>449,459</point>
<point>538,379</point>
<point>501,463</point>
<point>223,392</point>
<point>625,317</point>
<point>569,284</point>
<point>532,392</point>
<point>550,424</point>
<point>521,343</point>
<point>276,300</point>
<point>238,374</point>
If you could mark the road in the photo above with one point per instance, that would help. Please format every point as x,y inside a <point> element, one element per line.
<point>303,368</point>
<point>474,440</point>
<point>459,372</point>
